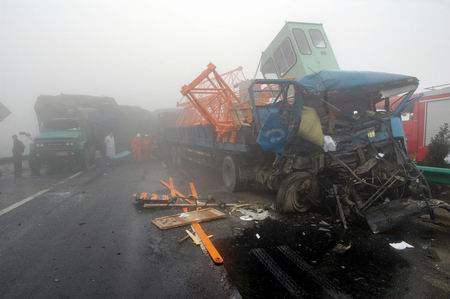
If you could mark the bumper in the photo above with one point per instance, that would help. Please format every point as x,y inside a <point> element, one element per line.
<point>57,155</point>
<point>392,214</point>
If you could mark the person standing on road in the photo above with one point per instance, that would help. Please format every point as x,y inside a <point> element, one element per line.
<point>136,147</point>
<point>146,147</point>
<point>110,146</point>
<point>17,150</point>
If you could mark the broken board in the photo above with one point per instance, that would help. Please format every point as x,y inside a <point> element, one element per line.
<point>182,219</point>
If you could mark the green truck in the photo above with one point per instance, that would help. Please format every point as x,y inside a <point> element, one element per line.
<point>72,128</point>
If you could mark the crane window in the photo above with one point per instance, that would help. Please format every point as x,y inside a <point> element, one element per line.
<point>285,56</point>
<point>268,70</point>
<point>317,38</point>
<point>301,41</point>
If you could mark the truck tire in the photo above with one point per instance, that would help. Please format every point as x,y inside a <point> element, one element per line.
<point>54,167</point>
<point>177,159</point>
<point>84,159</point>
<point>35,166</point>
<point>298,191</point>
<point>232,174</point>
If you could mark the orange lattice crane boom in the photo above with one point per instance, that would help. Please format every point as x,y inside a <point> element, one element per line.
<point>211,100</point>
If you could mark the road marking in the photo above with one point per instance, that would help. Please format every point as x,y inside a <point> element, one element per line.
<point>69,178</point>
<point>74,175</point>
<point>37,194</point>
<point>23,201</point>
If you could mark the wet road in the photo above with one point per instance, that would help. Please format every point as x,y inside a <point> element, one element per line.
<point>85,239</point>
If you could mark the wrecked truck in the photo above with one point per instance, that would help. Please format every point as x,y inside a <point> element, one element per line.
<point>334,150</point>
<point>72,128</point>
<point>319,142</point>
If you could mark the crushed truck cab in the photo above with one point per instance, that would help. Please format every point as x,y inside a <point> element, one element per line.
<point>334,149</point>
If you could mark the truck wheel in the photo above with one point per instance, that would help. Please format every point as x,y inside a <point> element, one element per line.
<point>85,160</point>
<point>54,167</point>
<point>297,192</point>
<point>35,166</point>
<point>179,158</point>
<point>232,175</point>
<point>174,155</point>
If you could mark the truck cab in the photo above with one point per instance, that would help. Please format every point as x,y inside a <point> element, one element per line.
<point>299,49</point>
<point>72,128</point>
<point>61,140</point>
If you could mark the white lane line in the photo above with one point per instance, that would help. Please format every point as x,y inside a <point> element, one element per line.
<point>74,175</point>
<point>69,178</point>
<point>23,201</point>
<point>37,194</point>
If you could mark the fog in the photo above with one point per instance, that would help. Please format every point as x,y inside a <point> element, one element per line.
<point>142,52</point>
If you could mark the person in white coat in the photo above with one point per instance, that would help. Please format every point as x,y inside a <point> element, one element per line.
<point>110,146</point>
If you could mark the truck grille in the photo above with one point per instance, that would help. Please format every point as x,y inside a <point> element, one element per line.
<point>55,145</point>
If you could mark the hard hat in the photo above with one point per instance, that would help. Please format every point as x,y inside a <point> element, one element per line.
<point>146,135</point>
<point>138,135</point>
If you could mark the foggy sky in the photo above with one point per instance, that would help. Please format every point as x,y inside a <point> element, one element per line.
<point>142,52</point>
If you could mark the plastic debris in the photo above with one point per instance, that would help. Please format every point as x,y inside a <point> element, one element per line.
<point>341,248</point>
<point>400,246</point>
<point>328,144</point>
<point>257,214</point>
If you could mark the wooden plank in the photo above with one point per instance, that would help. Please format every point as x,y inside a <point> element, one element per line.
<point>187,205</point>
<point>194,238</point>
<point>187,218</point>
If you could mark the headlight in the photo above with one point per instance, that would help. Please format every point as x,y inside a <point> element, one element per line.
<point>371,133</point>
<point>39,144</point>
<point>69,143</point>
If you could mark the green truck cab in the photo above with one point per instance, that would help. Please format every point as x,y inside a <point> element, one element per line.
<point>61,141</point>
<point>71,130</point>
<point>299,49</point>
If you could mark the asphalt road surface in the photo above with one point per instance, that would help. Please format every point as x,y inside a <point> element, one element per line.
<point>78,235</point>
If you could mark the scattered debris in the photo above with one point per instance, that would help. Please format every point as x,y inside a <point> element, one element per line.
<point>182,239</point>
<point>253,214</point>
<point>400,246</point>
<point>258,236</point>
<point>341,248</point>
<point>193,237</point>
<point>187,218</point>
<point>201,214</point>
<point>187,205</point>
<point>324,223</point>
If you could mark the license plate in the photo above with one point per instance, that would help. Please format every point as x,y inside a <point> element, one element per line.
<point>62,154</point>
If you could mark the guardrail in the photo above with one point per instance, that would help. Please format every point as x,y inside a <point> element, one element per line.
<point>436,175</point>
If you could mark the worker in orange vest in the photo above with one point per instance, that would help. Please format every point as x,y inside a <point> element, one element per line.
<point>146,147</point>
<point>136,147</point>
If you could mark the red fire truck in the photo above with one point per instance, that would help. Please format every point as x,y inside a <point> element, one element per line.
<point>423,118</point>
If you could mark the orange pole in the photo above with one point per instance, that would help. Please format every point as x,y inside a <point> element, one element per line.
<point>213,253</point>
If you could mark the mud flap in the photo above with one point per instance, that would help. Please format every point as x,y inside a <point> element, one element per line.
<point>393,213</point>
